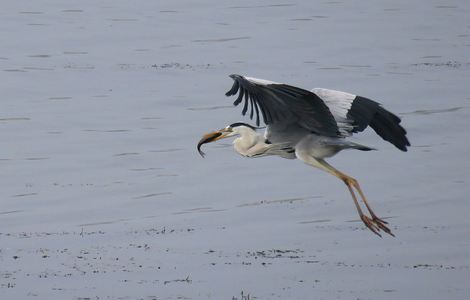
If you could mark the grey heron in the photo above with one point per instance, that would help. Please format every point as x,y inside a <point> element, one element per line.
<point>310,126</point>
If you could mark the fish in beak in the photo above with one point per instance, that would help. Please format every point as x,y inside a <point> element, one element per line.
<point>212,137</point>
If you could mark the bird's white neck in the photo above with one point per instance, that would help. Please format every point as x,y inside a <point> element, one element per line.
<point>247,139</point>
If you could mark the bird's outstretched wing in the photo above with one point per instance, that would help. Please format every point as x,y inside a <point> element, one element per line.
<point>354,113</point>
<point>282,103</point>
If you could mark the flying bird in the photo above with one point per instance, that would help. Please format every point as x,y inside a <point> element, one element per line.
<point>310,126</point>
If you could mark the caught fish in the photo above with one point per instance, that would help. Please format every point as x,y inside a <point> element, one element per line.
<point>207,138</point>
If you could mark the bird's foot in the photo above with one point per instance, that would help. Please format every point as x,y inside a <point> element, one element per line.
<point>375,224</point>
<point>382,225</point>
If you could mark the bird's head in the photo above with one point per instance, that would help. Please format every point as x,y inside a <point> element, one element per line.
<point>229,131</point>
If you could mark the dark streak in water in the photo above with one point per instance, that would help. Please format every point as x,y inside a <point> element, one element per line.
<point>330,68</point>
<point>145,169</point>
<point>315,221</point>
<point>198,210</point>
<point>264,6</point>
<point>279,201</point>
<point>38,69</point>
<point>123,20</point>
<point>209,108</point>
<point>103,222</point>
<point>399,73</point>
<point>432,111</point>
<point>60,98</point>
<point>152,195</point>
<point>40,56</point>
<point>24,195</point>
<point>426,39</point>
<point>15,119</point>
<point>36,158</point>
<point>31,12</point>
<point>449,64</point>
<point>79,67</point>
<point>222,40</point>
<point>126,154</point>
<point>13,70</point>
<point>171,46</point>
<point>116,130</point>
<point>10,212</point>
<point>356,66</point>
<point>446,6</point>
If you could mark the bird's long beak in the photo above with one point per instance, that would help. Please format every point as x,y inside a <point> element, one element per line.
<point>212,137</point>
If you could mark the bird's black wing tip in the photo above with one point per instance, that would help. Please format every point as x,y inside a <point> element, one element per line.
<point>235,86</point>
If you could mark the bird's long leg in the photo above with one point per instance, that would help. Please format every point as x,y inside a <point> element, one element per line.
<point>367,221</point>
<point>380,223</point>
<point>374,223</point>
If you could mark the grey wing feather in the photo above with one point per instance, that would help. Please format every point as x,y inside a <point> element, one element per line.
<point>354,113</point>
<point>282,103</point>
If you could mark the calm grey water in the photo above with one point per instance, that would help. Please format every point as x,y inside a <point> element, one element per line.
<point>103,195</point>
